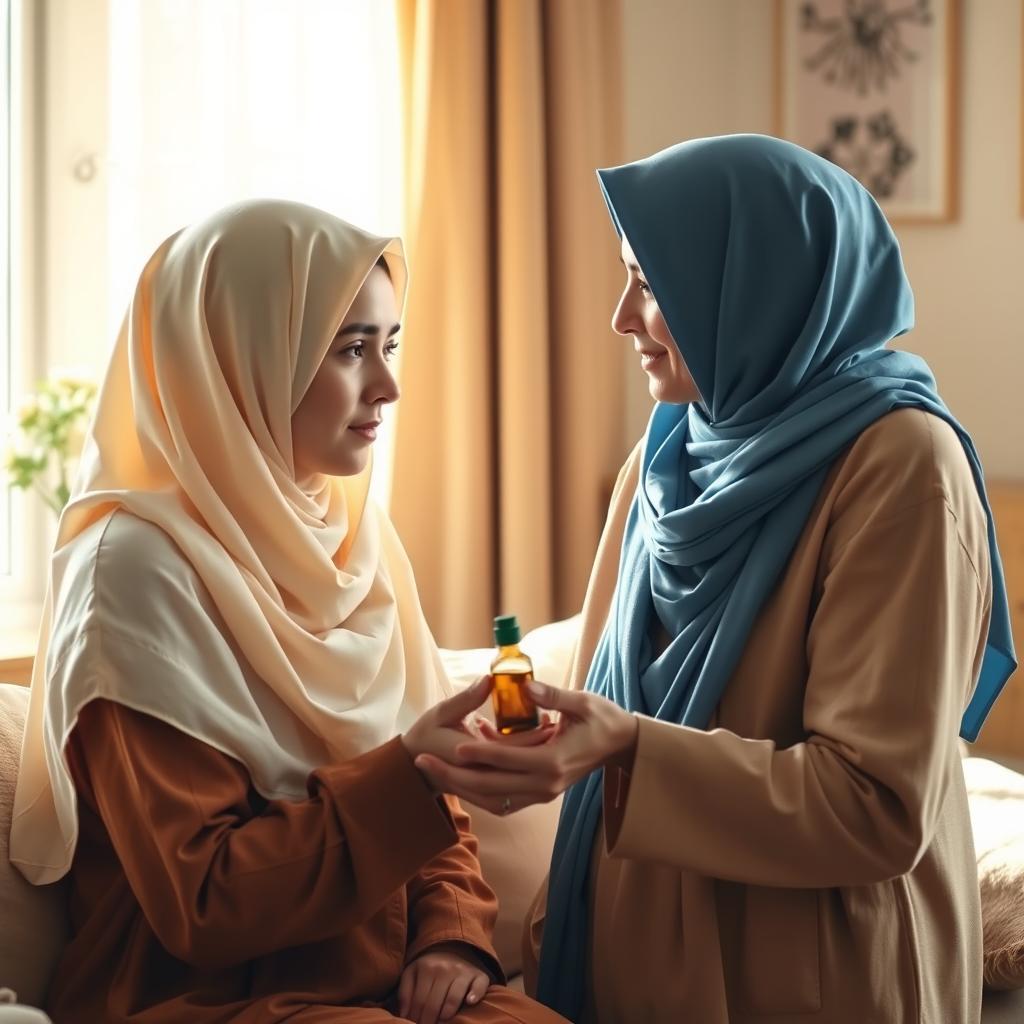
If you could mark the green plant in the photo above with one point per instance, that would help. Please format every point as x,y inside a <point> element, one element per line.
<point>49,432</point>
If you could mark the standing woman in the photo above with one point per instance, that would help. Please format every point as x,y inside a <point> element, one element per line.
<point>797,605</point>
<point>231,648</point>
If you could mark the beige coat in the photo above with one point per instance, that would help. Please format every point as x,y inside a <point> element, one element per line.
<point>810,857</point>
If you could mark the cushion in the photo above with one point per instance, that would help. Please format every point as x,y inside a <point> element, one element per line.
<point>996,796</point>
<point>515,850</point>
<point>15,1014</point>
<point>34,917</point>
<point>22,1015</point>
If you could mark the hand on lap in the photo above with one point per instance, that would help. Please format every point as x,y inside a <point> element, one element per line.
<point>435,986</point>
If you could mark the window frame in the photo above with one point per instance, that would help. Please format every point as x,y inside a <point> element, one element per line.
<point>22,590</point>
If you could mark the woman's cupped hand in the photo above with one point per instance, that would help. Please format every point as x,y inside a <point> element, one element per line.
<point>579,733</point>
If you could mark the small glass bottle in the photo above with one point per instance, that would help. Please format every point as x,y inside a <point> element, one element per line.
<point>514,710</point>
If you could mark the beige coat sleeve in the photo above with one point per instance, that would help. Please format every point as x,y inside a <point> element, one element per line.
<point>893,650</point>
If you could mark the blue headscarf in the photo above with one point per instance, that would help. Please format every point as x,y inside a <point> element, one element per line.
<point>781,282</point>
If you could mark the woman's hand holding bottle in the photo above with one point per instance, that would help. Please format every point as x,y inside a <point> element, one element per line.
<point>506,773</point>
<point>439,730</point>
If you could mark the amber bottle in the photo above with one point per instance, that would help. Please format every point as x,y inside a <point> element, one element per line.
<point>514,710</point>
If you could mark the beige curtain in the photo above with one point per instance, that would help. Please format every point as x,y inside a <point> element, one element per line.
<point>510,425</point>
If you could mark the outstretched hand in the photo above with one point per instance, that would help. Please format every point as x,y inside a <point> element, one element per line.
<point>503,774</point>
<point>439,730</point>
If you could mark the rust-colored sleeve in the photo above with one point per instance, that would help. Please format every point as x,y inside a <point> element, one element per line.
<point>449,901</point>
<point>210,869</point>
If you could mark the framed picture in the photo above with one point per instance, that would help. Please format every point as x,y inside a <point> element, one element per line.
<point>873,85</point>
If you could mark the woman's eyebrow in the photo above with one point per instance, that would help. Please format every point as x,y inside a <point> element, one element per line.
<point>366,329</point>
<point>631,266</point>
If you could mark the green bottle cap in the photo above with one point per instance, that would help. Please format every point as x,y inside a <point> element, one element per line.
<point>506,630</point>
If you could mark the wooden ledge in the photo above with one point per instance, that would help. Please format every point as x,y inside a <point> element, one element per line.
<point>17,651</point>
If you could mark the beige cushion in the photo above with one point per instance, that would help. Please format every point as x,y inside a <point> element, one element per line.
<point>996,797</point>
<point>19,1014</point>
<point>515,851</point>
<point>34,918</point>
<point>22,1015</point>
<point>514,857</point>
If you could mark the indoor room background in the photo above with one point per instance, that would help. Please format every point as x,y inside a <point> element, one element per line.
<point>474,136</point>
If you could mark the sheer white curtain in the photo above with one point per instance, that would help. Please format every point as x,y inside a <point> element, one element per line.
<point>7,249</point>
<point>212,101</point>
<point>20,532</point>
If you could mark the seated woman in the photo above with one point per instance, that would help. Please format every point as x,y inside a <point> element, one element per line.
<point>231,648</point>
<point>797,604</point>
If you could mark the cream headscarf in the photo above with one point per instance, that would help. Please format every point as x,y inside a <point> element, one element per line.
<point>276,620</point>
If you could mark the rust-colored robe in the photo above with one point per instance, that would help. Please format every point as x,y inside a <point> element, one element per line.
<point>809,857</point>
<point>194,900</point>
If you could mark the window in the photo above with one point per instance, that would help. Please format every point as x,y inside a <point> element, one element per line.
<point>22,530</point>
<point>6,382</point>
<point>152,115</point>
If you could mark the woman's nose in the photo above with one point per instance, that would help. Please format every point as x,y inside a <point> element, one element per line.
<point>384,386</point>
<point>624,319</point>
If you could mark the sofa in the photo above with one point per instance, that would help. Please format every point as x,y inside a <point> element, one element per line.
<point>514,854</point>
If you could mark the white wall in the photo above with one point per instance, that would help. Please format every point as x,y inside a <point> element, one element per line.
<point>705,67</point>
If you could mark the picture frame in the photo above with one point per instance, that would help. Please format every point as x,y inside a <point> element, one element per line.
<point>874,86</point>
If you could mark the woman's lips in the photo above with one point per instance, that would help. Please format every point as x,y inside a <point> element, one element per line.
<point>366,430</point>
<point>649,359</point>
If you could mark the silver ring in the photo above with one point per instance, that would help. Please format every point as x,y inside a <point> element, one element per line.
<point>506,805</point>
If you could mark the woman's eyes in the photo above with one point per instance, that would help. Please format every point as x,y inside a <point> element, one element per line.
<point>645,288</point>
<point>355,351</point>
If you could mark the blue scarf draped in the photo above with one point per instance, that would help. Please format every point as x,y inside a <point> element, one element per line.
<point>781,282</point>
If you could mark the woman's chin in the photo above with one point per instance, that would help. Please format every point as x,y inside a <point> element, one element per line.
<point>669,392</point>
<point>347,463</point>
<point>352,464</point>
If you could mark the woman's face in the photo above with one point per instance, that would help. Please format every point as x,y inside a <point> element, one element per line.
<point>637,314</point>
<point>336,421</point>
